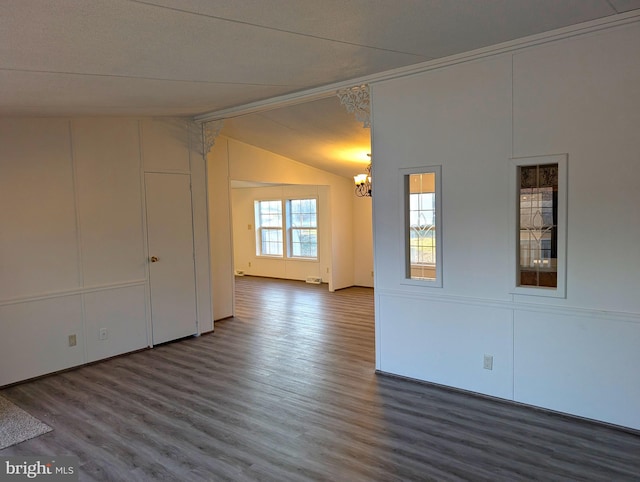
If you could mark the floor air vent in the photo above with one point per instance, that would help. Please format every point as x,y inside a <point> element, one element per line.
<point>314,280</point>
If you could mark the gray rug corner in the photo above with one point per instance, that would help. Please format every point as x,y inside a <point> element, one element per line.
<point>16,425</point>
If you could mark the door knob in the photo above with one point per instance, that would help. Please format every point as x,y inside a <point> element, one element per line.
<point>154,259</point>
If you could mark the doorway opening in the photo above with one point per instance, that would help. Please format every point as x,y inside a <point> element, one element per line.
<point>304,151</point>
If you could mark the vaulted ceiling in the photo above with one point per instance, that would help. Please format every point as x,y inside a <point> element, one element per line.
<point>189,57</point>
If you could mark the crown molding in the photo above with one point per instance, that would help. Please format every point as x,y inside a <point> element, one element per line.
<point>501,48</point>
<point>275,102</point>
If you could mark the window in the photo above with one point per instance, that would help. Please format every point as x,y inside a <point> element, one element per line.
<point>421,206</point>
<point>422,230</point>
<point>269,228</point>
<point>300,222</point>
<point>540,206</point>
<point>538,227</point>
<point>303,228</point>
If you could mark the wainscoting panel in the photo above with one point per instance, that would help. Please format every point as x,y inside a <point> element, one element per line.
<point>35,337</point>
<point>580,364</point>
<point>445,343</point>
<point>119,316</point>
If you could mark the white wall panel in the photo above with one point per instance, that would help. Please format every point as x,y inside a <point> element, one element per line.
<point>107,159</point>
<point>35,340</point>
<point>71,191</point>
<point>220,229</point>
<point>121,312</point>
<point>581,97</point>
<point>243,225</point>
<point>362,241</point>
<point>38,239</point>
<point>581,364</point>
<point>445,343</point>
<point>342,236</point>
<point>578,96</point>
<point>165,144</point>
<point>325,214</point>
<point>458,118</point>
<point>201,239</point>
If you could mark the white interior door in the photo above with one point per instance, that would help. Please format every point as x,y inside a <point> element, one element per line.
<point>171,268</point>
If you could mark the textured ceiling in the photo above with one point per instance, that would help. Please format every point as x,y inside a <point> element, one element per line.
<point>188,57</point>
<point>320,133</point>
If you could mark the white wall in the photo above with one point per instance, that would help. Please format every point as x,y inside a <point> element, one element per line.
<point>201,234</point>
<point>220,230</point>
<point>578,96</point>
<point>72,238</point>
<point>363,241</point>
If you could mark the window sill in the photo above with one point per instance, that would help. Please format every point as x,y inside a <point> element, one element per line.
<point>282,258</point>
<point>539,291</point>
<point>423,283</point>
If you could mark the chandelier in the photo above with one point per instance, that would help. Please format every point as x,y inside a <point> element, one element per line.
<point>363,183</point>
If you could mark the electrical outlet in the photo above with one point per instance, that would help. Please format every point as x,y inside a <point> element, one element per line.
<point>103,334</point>
<point>372,274</point>
<point>249,227</point>
<point>488,362</point>
<point>249,264</point>
<point>72,340</point>
<point>327,270</point>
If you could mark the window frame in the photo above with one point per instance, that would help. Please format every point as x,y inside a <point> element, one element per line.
<point>259,228</point>
<point>290,228</point>
<point>514,226</point>
<point>285,228</point>
<point>404,179</point>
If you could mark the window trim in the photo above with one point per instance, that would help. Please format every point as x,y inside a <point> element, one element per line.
<point>258,229</point>
<point>405,255</point>
<point>560,290</point>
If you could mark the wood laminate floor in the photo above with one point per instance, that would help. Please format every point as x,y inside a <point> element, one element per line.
<point>287,391</point>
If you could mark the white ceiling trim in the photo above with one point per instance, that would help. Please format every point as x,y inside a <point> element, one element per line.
<point>513,45</point>
<point>275,102</point>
